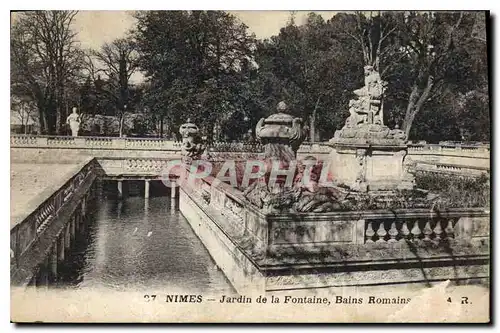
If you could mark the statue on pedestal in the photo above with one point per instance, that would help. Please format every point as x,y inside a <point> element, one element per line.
<point>368,155</point>
<point>366,119</point>
<point>73,121</point>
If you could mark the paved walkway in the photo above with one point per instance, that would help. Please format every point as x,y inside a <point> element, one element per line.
<point>31,184</point>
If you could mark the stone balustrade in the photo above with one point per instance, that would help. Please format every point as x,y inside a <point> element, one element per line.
<point>40,141</point>
<point>435,230</point>
<point>452,169</point>
<point>28,228</point>
<point>86,142</point>
<point>443,157</point>
<point>443,147</point>
<point>236,147</point>
<point>313,231</point>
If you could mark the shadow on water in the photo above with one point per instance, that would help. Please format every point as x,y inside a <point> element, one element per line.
<point>140,244</point>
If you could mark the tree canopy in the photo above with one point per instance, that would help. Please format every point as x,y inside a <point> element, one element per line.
<point>209,67</point>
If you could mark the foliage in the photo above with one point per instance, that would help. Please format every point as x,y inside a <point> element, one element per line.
<point>194,62</point>
<point>117,61</point>
<point>456,191</point>
<point>45,63</point>
<point>207,66</point>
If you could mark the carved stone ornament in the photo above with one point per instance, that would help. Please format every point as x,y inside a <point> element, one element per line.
<point>281,128</point>
<point>366,118</point>
<point>193,145</point>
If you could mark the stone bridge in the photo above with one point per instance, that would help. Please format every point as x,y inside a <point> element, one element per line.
<point>149,155</point>
<point>47,224</point>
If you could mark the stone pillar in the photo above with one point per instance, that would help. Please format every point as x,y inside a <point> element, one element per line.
<point>84,205</point>
<point>43,280</point>
<point>119,185</point>
<point>61,245</point>
<point>146,188</point>
<point>67,236</point>
<point>73,228</point>
<point>173,207</point>
<point>172,189</point>
<point>53,262</point>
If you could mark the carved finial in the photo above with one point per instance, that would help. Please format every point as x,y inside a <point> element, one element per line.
<point>282,107</point>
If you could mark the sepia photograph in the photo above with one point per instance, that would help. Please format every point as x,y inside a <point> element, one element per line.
<point>212,166</point>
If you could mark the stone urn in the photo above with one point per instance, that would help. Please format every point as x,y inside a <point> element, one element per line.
<point>281,134</point>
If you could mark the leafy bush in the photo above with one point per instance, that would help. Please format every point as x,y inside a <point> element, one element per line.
<point>456,191</point>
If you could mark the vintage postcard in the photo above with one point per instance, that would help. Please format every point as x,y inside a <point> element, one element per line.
<point>250,166</point>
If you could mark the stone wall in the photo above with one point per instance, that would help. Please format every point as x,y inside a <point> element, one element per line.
<point>37,233</point>
<point>328,250</point>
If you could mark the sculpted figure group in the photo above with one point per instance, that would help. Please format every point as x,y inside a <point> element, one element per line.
<point>366,119</point>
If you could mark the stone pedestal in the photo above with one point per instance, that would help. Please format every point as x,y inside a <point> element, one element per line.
<point>370,167</point>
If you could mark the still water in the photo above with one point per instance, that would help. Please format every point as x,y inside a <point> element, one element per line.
<point>140,244</point>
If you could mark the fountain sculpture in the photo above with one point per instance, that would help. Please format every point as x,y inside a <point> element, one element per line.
<point>282,135</point>
<point>193,145</point>
<point>367,155</point>
<point>291,234</point>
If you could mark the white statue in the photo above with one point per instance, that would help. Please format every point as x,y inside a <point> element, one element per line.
<point>74,122</point>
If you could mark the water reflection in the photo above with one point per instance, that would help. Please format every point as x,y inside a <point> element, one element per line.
<point>138,244</point>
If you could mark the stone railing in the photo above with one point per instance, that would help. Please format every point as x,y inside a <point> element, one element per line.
<point>315,147</point>
<point>31,226</point>
<point>453,224</point>
<point>381,227</point>
<point>236,147</point>
<point>449,147</point>
<point>312,232</point>
<point>447,157</point>
<point>133,166</point>
<point>452,169</point>
<point>19,140</point>
<point>88,142</point>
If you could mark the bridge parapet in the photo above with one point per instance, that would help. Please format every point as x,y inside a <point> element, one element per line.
<point>464,154</point>
<point>31,227</point>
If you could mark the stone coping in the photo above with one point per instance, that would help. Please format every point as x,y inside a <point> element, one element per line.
<point>453,165</point>
<point>381,214</point>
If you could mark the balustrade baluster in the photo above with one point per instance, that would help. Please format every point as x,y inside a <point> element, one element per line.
<point>393,232</point>
<point>449,230</point>
<point>369,233</point>
<point>415,231</point>
<point>405,232</point>
<point>427,231</point>
<point>438,230</point>
<point>381,232</point>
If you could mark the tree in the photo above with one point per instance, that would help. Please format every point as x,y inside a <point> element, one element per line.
<point>118,62</point>
<point>193,60</point>
<point>45,58</point>
<point>423,55</point>
<point>24,109</point>
<point>312,70</point>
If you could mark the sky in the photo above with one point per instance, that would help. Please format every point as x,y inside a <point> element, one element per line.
<point>97,27</point>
